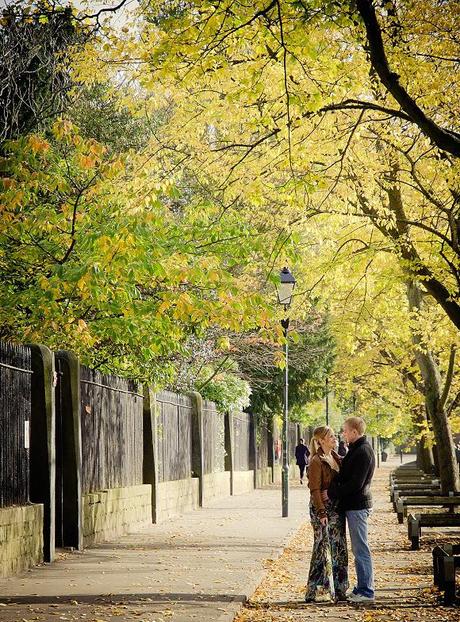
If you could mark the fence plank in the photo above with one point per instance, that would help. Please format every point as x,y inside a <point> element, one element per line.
<point>213,438</point>
<point>112,431</point>
<point>262,445</point>
<point>242,438</point>
<point>174,436</point>
<point>15,411</point>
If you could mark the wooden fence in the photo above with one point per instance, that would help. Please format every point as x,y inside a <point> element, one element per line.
<point>213,438</point>
<point>174,433</point>
<point>15,411</point>
<point>111,412</point>
<point>111,427</point>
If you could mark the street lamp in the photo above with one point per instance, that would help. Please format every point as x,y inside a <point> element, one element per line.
<point>285,290</point>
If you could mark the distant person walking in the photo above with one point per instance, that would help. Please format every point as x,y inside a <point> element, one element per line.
<point>302,454</point>
<point>352,489</point>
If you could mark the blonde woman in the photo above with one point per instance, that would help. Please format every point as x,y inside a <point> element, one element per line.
<point>329,560</point>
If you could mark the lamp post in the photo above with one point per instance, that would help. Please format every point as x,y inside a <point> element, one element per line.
<point>285,290</point>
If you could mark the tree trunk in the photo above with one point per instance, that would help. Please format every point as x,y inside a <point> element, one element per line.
<point>425,459</point>
<point>433,401</point>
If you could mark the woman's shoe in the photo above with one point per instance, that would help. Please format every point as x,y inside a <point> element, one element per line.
<point>341,597</point>
<point>309,597</point>
<point>323,597</point>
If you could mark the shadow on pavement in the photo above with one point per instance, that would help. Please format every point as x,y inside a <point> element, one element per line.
<point>164,546</point>
<point>123,598</point>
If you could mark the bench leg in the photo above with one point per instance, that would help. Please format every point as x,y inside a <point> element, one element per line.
<point>414,532</point>
<point>400,511</point>
<point>438,554</point>
<point>448,571</point>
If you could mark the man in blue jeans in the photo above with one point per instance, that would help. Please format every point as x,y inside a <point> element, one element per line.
<point>352,489</point>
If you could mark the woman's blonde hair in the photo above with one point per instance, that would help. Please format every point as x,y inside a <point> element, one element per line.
<point>318,434</point>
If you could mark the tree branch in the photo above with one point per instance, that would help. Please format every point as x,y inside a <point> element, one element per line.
<point>215,372</point>
<point>445,139</point>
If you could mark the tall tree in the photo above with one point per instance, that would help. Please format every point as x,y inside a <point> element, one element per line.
<point>278,93</point>
<point>35,42</point>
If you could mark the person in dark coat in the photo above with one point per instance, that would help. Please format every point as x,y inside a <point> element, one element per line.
<point>302,454</point>
<point>343,449</point>
<point>352,490</point>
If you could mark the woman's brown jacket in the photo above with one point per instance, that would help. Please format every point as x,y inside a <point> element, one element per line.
<point>320,476</point>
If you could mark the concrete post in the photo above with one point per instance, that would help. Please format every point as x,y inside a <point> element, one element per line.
<point>197,441</point>
<point>229,447</point>
<point>43,443</point>
<point>253,446</point>
<point>150,461</point>
<point>68,366</point>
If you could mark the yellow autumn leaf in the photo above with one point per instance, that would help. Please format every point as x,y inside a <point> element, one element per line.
<point>62,127</point>
<point>82,325</point>
<point>86,162</point>
<point>38,144</point>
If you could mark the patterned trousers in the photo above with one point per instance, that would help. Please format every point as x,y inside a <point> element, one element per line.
<point>329,559</point>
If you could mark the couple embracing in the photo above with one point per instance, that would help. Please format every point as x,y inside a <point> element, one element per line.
<point>340,495</point>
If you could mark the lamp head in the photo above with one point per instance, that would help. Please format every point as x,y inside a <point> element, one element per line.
<point>285,287</point>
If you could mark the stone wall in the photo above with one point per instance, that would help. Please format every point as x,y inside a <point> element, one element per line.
<point>21,538</point>
<point>176,497</point>
<point>243,481</point>
<point>264,477</point>
<point>113,512</point>
<point>278,471</point>
<point>216,485</point>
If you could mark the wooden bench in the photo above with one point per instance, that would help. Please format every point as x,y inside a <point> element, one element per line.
<point>407,474</point>
<point>417,521</point>
<point>412,480</point>
<point>452,501</point>
<point>446,560</point>
<point>400,494</point>
<point>406,489</point>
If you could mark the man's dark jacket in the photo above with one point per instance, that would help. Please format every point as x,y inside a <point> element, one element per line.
<point>302,453</point>
<point>352,486</point>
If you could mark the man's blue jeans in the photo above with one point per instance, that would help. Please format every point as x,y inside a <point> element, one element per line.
<point>357,528</point>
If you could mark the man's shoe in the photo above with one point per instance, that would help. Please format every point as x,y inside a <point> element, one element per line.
<point>309,598</point>
<point>341,597</point>
<point>360,598</point>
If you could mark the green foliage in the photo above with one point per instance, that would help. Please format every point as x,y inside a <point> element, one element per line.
<point>227,390</point>
<point>99,116</point>
<point>311,358</point>
<point>84,266</point>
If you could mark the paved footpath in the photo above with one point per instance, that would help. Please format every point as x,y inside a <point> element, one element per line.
<point>198,567</point>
